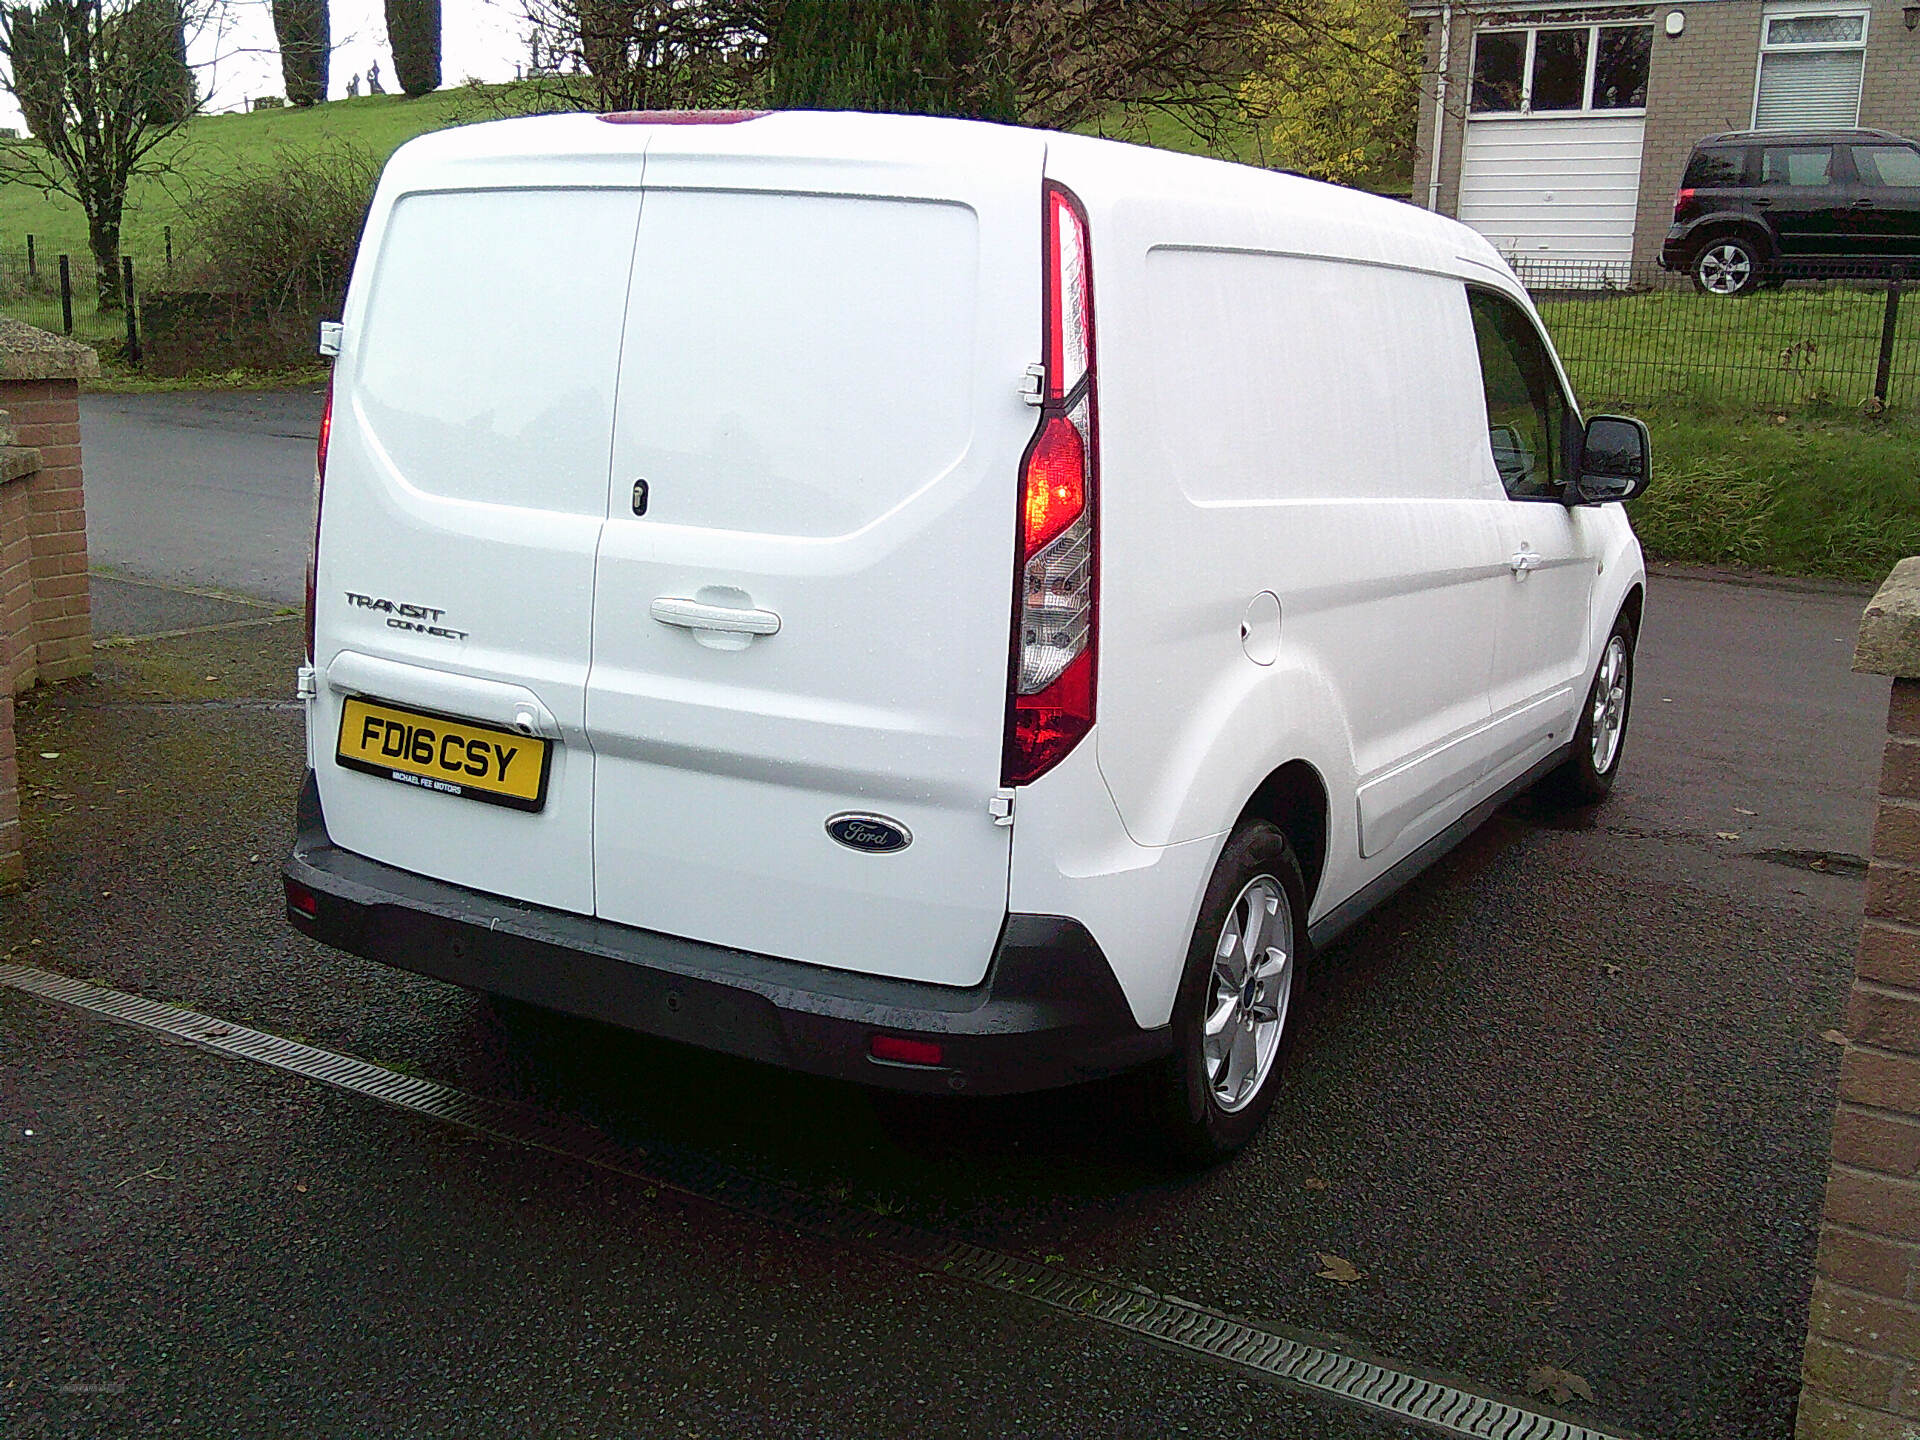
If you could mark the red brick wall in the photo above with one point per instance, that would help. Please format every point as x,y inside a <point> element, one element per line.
<point>46,415</point>
<point>1863,1345</point>
<point>45,621</point>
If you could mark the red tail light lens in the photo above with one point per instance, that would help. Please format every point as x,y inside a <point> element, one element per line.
<point>1050,699</point>
<point>319,487</point>
<point>1682,201</point>
<point>302,901</point>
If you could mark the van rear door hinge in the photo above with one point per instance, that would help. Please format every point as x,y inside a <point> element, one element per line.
<point>1033,388</point>
<point>304,687</point>
<point>1000,807</point>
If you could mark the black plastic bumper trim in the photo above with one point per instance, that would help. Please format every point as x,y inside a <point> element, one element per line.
<point>1048,1013</point>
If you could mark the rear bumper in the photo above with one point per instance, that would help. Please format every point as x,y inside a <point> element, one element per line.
<point>1049,1012</point>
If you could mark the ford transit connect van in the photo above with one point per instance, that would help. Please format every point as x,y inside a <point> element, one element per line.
<point>955,607</point>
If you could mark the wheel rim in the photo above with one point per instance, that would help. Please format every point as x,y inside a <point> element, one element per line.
<point>1725,269</point>
<point>1607,715</point>
<point>1247,1000</point>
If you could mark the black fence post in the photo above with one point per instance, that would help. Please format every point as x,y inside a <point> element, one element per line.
<point>66,296</point>
<point>33,270</point>
<point>126,299</point>
<point>1887,327</point>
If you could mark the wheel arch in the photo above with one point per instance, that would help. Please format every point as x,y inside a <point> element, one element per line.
<point>1720,227</point>
<point>1293,797</point>
<point>1633,606</point>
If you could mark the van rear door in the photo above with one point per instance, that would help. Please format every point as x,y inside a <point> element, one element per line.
<point>801,610</point>
<point>465,494</point>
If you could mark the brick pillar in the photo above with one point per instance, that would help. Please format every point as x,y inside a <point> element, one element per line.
<point>1863,1338</point>
<point>46,630</point>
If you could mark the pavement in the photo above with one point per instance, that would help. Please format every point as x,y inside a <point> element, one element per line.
<point>1564,1102</point>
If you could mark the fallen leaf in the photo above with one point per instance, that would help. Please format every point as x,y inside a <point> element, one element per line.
<point>300,1187</point>
<point>1725,835</point>
<point>1739,810</point>
<point>1666,699</point>
<point>1314,1182</point>
<point>1834,1037</point>
<point>1562,1385</point>
<point>49,754</point>
<point>1332,1267</point>
<point>1610,969</point>
<point>213,677</point>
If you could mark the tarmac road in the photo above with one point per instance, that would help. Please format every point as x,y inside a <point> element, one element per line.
<point>1564,1102</point>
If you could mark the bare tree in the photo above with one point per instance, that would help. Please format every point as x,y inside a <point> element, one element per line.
<point>97,82</point>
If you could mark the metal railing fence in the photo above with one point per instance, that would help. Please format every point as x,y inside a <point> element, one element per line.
<point>1637,334</point>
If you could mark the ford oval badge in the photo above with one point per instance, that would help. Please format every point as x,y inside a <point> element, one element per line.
<point>875,834</point>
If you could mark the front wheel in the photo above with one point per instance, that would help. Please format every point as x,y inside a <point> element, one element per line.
<point>1588,774</point>
<point>1230,1016</point>
<point>1728,265</point>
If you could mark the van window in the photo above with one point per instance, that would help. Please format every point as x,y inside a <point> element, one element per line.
<point>1526,409</point>
<point>491,340</point>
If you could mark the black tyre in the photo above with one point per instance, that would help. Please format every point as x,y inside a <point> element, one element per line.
<point>1230,1019</point>
<point>1601,736</point>
<point>1729,265</point>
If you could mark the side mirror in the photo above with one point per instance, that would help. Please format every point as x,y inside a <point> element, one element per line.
<point>1616,461</point>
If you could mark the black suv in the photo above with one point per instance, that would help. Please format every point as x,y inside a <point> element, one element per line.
<point>1758,207</point>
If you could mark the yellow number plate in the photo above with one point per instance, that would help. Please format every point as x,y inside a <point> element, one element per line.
<point>453,757</point>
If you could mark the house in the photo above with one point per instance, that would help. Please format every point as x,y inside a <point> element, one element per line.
<point>1562,128</point>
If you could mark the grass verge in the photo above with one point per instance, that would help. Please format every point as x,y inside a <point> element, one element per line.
<point>1834,497</point>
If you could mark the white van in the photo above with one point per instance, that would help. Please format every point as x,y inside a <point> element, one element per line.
<point>955,607</point>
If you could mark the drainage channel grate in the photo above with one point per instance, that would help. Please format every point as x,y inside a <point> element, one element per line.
<point>1433,1404</point>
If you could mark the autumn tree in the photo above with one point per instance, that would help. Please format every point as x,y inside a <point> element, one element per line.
<point>1338,87</point>
<point>99,85</point>
<point>306,48</point>
<point>413,31</point>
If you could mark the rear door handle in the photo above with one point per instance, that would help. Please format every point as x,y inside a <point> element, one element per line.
<point>1760,202</point>
<point>1863,204</point>
<point>727,619</point>
<point>1521,561</point>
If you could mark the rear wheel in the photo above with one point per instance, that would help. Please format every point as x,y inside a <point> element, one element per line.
<point>1230,1019</point>
<point>1728,265</point>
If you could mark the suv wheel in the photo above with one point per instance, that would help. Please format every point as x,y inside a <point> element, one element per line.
<point>1728,265</point>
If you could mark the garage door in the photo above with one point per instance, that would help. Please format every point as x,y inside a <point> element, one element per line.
<point>1548,191</point>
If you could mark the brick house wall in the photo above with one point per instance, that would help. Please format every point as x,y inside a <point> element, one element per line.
<point>1862,1364</point>
<point>1699,83</point>
<point>45,621</point>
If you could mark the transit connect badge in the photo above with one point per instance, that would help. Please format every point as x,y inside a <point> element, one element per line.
<point>873,833</point>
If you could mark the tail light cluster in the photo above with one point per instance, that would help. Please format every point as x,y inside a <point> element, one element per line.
<point>1051,687</point>
<point>1682,202</point>
<point>319,486</point>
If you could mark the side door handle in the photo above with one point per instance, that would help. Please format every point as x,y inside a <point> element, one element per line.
<point>1863,204</point>
<point>726,619</point>
<point>1522,561</point>
<point>1761,202</point>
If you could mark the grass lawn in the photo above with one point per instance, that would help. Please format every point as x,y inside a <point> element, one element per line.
<point>1797,495</point>
<point>1804,346</point>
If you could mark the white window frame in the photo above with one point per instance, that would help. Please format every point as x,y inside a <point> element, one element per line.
<point>1532,32</point>
<point>1807,10</point>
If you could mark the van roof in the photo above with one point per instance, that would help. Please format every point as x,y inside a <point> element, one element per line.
<point>1323,218</point>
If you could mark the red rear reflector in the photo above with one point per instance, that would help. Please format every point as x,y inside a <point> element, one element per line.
<point>907,1052</point>
<point>680,117</point>
<point>303,901</point>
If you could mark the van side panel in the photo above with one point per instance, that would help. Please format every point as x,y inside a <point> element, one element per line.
<point>467,481</point>
<point>1310,427</point>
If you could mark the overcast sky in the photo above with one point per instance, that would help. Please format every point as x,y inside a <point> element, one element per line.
<point>235,56</point>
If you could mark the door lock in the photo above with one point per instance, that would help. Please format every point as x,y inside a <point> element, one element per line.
<point>639,497</point>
